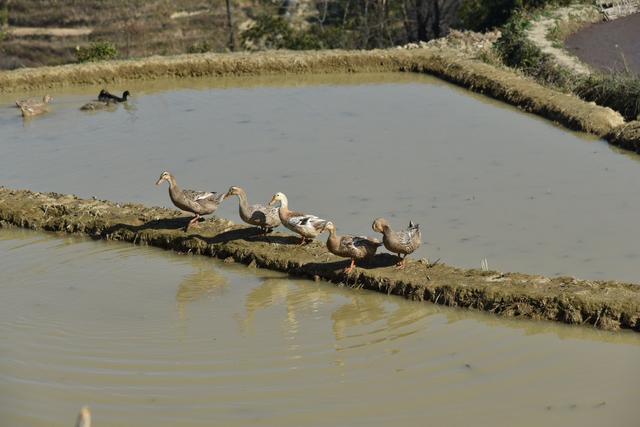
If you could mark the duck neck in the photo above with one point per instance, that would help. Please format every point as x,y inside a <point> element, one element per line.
<point>284,204</point>
<point>333,241</point>
<point>174,190</point>
<point>172,182</point>
<point>244,203</point>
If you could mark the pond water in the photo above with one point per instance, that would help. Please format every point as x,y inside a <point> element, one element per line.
<point>483,180</point>
<point>609,45</point>
<point>151,338</point>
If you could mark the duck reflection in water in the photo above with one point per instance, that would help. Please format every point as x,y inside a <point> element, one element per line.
<point>205,282</point>
<point>362,309</point>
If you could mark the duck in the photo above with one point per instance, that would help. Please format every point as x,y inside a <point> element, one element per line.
<point>197,202</point>
<point>33,101</point>
<point>105,96</point>
<point>355,247</point>
<point>29,110</point>
<point>99,105</point>
<point>307,226</point>
<point>265,217</point>
<point>402,242</point>
<point>84,417</point>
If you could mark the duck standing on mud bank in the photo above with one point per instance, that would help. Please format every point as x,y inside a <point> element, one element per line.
<point>265,217</point>
<point>402,242</point>
<point>355,247</point>
<point>197,202</point>
<point>307,226</point>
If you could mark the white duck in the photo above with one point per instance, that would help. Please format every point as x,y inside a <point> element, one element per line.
<point>307,226</point>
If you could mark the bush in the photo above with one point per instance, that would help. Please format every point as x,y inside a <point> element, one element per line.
<point>199,47</point>
<point>517,51</point>
<point>620,91</point>
<point>97,51</point>
<point>481,15</point>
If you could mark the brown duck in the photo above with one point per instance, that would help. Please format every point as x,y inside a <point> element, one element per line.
<point>197,202</point>
<point>33,101</point>
<point>265,217</point>
<point>355,247</point>
<point>29,109</point>
<point>402,242</point>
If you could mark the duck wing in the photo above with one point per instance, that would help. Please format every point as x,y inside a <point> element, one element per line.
<point>409,239</point>
<point>309,222</point>
<point>105,96</point>
<point>201,196</point>
<point>358,246</point>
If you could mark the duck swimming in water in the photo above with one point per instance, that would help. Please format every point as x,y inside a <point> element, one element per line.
<point>105,96</point>
<point>33,101</point>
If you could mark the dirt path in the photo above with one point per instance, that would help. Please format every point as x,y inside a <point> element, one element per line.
<point>46,31</point>
<point>185,14</point>
<point>541,28</point>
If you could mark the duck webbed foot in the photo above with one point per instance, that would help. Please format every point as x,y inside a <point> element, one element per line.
<point>401,264</point>
<point>349,269</point>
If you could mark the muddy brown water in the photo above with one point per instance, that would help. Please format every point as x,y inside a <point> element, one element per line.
<point>612,45</point>
<point>150,338</point>
<point>485,181</point>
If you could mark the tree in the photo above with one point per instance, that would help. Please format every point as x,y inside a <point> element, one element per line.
<point>232,38</point>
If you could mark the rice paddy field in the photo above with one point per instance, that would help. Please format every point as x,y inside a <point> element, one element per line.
<point>147,337</point>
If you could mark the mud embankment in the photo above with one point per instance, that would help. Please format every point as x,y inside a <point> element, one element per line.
<point>605,305</point>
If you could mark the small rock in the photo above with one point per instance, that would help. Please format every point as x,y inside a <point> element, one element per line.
<point>316,278</point>
<point>252,264</point>
<point>229,260</point>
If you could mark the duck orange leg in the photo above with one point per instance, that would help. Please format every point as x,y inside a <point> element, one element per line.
<point>194,220</point>
<point>304,241</point>
<point>349,269</point>
<point>400,264</point>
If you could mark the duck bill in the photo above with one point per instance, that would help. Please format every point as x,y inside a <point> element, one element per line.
<point>159,181</point>
<point>272,202</point>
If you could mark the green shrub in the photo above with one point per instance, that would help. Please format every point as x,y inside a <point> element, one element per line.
<point>620,91</point>
<point>199,47</point>
<point>517,51</point>
<point>481,15</point>
<point>96,51</point>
